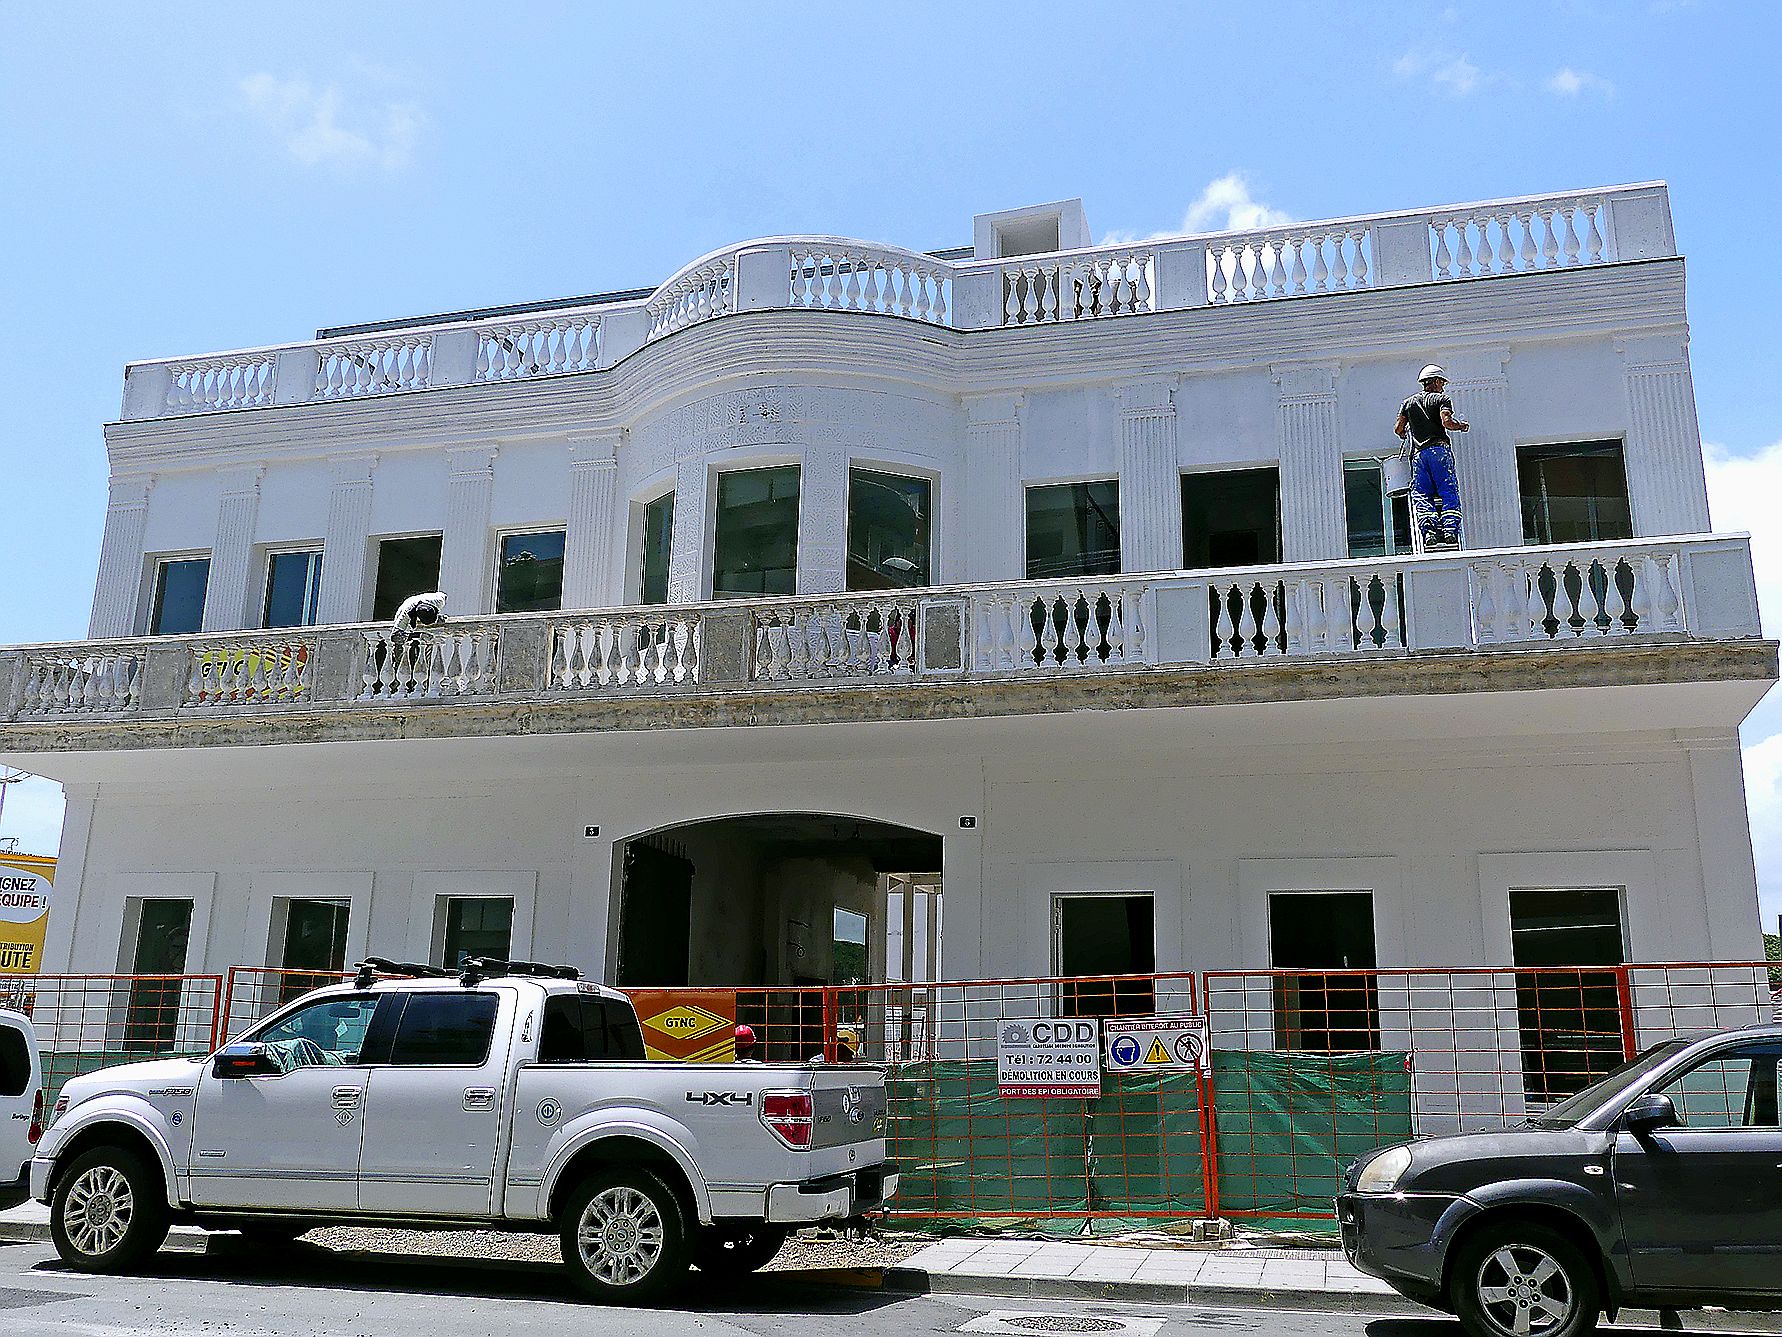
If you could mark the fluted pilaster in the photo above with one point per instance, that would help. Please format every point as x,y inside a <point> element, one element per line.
<point>1150,481</point>
<point>344,546</point>
<point>592,527</point>
<point>1485,457</point>
<point>464,547</point>
<point>231,553</point>
<point>1666,482</point>
<point>1313,527</point>
<point>995,524</point>
<point>117,590</point>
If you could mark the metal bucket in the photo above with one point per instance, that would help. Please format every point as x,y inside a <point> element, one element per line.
<point>1395,475</point>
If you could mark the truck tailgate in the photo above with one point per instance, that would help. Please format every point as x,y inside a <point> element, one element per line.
<point>848,1106</point>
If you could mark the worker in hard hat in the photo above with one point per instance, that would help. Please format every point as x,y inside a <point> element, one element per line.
<point>1424,421</point>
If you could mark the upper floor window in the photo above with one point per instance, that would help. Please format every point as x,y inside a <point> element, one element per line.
<point>1575,492</point>
<point>1379,523</point>
<point>405,567</point>
<point>1073,529</point>
<point>178,606</point>
<point>529,578</point>
<point>755,545</point>
<point>658,542</point>
<point>1231,518</point>
<point>293,586</point>
<point>888,527</point>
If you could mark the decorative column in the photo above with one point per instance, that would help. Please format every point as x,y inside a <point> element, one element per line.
<point>823,519</point>
<point>1666,482</point>
<point>1313,528</point>
<point>116,591</point>
<point>593,527</point>
<point>231,553</point>
<point>1150,479</point>
<point>464,549</point>
<point>995,537</point>
<point>1485,457</point>
<point>686,545</point>
<point>345,545</point>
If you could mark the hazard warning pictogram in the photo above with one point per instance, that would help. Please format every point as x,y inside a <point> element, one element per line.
<point>1158,1053</point>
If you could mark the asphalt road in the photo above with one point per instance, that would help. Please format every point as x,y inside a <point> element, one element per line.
<point>235,1291</point>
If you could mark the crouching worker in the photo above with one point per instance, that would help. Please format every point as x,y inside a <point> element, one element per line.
<point>1424,421</point>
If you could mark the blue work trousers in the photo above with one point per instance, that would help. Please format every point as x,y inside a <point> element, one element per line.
<point>1435,495</point>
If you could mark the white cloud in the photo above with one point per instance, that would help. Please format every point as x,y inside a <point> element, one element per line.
<point>1568,82</point>
<point>1745,493</point>
<point>32,813</point>
<point>1226,205</point>
<point>324,125</point>
<point>1455,75</point>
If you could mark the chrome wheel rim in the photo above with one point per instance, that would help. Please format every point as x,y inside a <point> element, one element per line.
<point>620,1236</point>
<point>97,1212</point>
<point>1524,1291</point>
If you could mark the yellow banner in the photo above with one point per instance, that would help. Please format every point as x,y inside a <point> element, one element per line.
<point>24,910</point>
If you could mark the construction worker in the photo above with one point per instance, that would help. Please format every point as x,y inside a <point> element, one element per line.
<point>1424,421</point>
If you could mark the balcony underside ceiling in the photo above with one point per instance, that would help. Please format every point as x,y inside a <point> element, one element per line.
<point>1526,699</point>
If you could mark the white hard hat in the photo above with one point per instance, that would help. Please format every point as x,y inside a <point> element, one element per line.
<point>1432,373</point>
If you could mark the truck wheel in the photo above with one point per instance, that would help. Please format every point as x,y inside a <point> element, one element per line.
<point>624,1237</point>
<point>734,1251</point>
<point>109,1211</point>
<point>1520,1279</point>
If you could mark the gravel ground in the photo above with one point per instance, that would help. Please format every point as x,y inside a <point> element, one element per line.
<point>807,1249</point>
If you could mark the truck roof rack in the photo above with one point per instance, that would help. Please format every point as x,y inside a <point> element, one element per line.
<point>373,966</point>
<point>478,968</point>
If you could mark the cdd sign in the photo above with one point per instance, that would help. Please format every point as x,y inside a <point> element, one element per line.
<point>1049,1056</point>
<point>24,911</point>
<point>1168,1042</point>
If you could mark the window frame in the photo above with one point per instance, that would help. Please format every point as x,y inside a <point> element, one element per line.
<point>1032,485</point>
<point>637,542</point>
<point>1389,519</point>
<point>1618,440</point>
<point>258,1034</point>
<point>1718,1055</point>
<point>932,519</point>
<point>445,902</point>
<point>375,563</point>
<point>408,997</point>
<point>157,562</point>
<point>1236,467</point>
<point>525,531</point>
<point>714,509</point>
<point>313,596</point>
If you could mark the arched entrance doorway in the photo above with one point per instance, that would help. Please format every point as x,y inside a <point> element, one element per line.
<point>777,900</point>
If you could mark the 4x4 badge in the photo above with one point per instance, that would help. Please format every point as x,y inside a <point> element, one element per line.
<point>721,1097</point>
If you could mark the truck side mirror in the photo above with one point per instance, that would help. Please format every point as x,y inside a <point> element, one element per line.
<point>1649,1113</point>
<point>244,1060</point>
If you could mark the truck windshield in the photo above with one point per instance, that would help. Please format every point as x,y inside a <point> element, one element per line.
<point>1573,1110</point>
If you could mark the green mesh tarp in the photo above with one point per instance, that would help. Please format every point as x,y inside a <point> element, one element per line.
<point>1287,1125</point>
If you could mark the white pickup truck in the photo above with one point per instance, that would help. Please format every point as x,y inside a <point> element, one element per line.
<point>511,1097</point>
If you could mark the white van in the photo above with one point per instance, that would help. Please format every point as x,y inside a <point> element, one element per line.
<point>21,1106</point>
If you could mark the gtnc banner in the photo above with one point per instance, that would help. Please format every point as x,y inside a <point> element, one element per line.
<point>24,910</point>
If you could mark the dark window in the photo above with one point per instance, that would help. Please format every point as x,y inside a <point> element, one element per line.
<point>315,944</point>
<point>178,609</point>
<point>1736,1088</point>
<point>1231,518</point>
<point>444,1030</point>
<point>1570,1016</point>
<point>293,585</point>
<point>163,928</point>
<point>530,578</point>
<point>1107,936</point>
<point>478,926</point>
<point>755,547</point>
<point>15,1062</point>
<point>888,524</point>
<point>1073,529</point>
<point>329,1032</point>
<point>404,567</point>
<point>658,540</point>
<point>1321,936</point>
<point>582,1028</point>
<point>1574,493</point>
<point>1379,524</point>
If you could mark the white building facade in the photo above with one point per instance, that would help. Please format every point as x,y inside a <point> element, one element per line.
<point>1028,609</point>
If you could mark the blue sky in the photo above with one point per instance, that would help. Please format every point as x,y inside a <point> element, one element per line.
<point>242,175</point>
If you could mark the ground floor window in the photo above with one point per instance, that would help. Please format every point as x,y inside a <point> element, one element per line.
<point>478,926</point>
<point>315,935</point>
<point>1331,1001</point>
<point>755,540</point>
<point>1073,529</point>
<point>1231,518</point>
<point>1574,492</point>
<point>163,932</point>
<point>1106,936</point>
<point>405,567</point>
<point>529,576</point>
<point>1569,1013</point>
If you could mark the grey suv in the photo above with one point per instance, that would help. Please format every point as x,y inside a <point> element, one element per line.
<point>1660,1187</point>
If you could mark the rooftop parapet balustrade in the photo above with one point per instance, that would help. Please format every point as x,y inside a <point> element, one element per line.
<point>1535,234</point>
<point>1552,599</point>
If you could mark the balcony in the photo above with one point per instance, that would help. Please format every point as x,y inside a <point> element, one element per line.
<point>1454,243</point>
<point>1438,623</point>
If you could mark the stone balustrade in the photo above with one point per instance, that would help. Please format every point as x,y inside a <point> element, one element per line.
<point>1550,599</point>
<point>1490,239</point>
